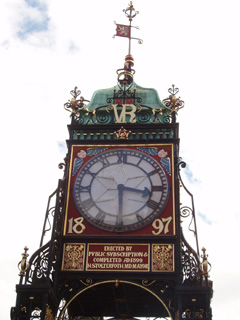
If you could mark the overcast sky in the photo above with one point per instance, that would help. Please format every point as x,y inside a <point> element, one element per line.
<point>49,47</point>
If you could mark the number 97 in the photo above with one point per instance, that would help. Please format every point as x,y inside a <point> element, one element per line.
<point>161,225</point>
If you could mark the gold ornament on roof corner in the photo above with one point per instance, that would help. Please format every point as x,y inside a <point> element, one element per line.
<point>75,105</point>
<point>173,103</point>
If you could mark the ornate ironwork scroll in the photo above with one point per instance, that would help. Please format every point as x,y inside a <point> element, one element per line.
<point>190,263</point>
<point>125,94</point>
<point>186,211</point>
<point>38,263</point>
<point>121,95</point>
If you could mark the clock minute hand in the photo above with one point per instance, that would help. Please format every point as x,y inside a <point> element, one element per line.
<point>144,192</point>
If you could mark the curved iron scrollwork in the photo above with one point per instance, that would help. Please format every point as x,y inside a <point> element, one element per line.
<point>168,119</point>
<point>104,118</point>
<point>181,163</point>
<point>172,102</point>
<point>147,283</point>
<point>124,94</point>
<point>47,226</point>
<point>75,104</point>
<point>36,314</point>
<point>53,212</point>
<point>190,263</point>
<point>38,265</point>
<point>187,211</point>
<point>42,264</point>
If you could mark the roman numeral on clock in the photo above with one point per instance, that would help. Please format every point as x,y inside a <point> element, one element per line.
<point>157,188</point>
<point>104,161</point>
<point>84,189</point>
<point>87,204</point>
<point>151,173</point>
<point>152,204</point>
<point>100,216</point>
<point>139,217</point>
<point>93,174</point>
<point>122,158</point>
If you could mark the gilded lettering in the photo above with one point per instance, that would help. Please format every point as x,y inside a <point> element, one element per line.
<point>124,111</point>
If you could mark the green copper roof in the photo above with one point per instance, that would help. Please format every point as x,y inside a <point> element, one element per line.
<point>144,97</point>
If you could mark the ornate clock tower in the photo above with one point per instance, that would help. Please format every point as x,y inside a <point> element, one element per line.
<point>117,248</point>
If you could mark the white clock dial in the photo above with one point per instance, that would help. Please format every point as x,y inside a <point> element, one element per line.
<point>121,190</point>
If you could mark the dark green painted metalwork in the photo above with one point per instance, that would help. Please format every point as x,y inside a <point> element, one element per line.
<point>144,96</point>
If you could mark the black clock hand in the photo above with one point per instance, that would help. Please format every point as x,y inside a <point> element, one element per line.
<point>120,204</point>
<point>144,192</point>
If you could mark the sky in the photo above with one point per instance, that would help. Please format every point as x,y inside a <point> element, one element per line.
<point>48,47</point>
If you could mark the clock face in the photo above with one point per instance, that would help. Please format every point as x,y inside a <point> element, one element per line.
<point>121,190</point>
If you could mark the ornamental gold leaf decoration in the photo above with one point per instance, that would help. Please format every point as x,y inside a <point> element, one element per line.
<point>73,256</point>
<point>163,257</point>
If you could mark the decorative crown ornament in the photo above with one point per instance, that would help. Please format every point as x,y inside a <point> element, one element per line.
<point>75,104</point>
<point>173,103</point>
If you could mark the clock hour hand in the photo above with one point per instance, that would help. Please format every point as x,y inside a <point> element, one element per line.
<point>120,204</point>
<point>145,192</point>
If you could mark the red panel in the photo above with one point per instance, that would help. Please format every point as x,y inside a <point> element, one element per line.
<point>163,225</point>
<point>118,257</point>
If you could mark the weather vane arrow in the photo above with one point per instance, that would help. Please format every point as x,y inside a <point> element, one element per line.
<point>124,30</point>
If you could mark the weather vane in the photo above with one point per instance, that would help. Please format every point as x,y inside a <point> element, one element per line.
<point>125,75</point>
<point>126,31</point>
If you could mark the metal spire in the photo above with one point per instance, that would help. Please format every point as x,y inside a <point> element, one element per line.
<point>126,31</point>
<point>125,75</point>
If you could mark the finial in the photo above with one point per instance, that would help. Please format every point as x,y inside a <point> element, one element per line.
<point>173,103</point>
<point>75,104</point>
<point>125,31</point>
<point>130,12</point>
<point>205,266</point>
<point>125,75</point>
<point>23,264</point>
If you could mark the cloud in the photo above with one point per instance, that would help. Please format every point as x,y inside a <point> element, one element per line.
<point>49,46</point>
<point>204,218</point>
<point>22,20</point>
<point>72,47</point>
<point>30,26</point>
<point>36,4</point>
<point>190,176</point>
<point>34,19</point>
<point>62,147</point>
